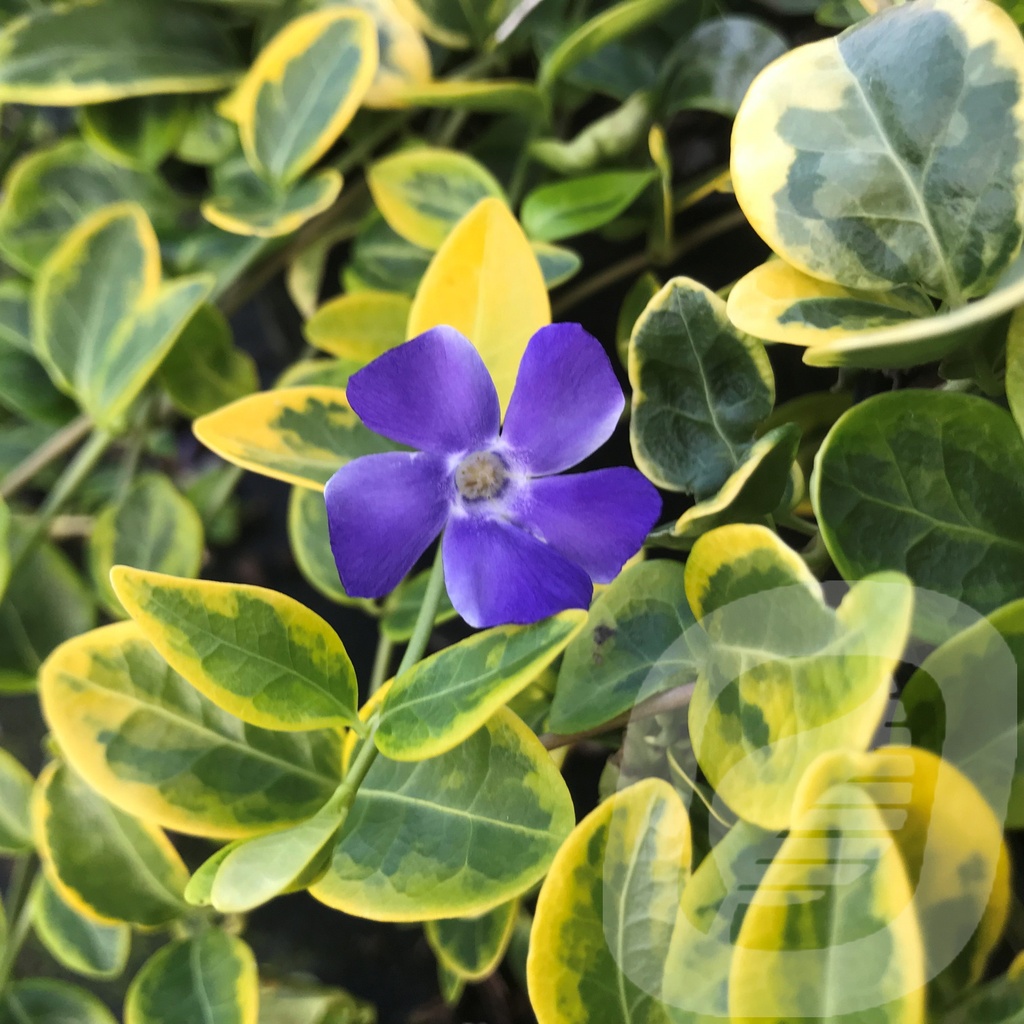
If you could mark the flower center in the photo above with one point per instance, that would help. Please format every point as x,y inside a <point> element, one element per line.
<point>480,475</point>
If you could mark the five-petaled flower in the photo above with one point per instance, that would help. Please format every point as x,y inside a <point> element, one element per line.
<point>520,542</point>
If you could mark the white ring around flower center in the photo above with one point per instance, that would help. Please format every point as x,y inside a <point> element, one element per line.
<point>480,475</point>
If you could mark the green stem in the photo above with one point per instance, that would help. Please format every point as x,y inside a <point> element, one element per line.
<point>425,620</point>
<point>385,648</point>
<point>795,523</point>
<point>69,481</point>
<point>20,912</point>
<point>358,769</point>
<point>65,438</point>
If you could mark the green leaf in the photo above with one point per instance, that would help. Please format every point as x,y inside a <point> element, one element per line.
<point>982,739</point>
<point>255,653</point>
<point>76,942</point>
<point>360,326</point>
<point>148,741</point>
<point>452,836</point>
<point>211,977</point>
<point>245,204</point>
<point>557,263</point>
<point>46,602</point>
<point>402,607</point>
<point>636,643</point>
<point>52,190</point>
<point>303,90</point>
<point>302,435</point>
<point>5,547</point>
<point>858,946</point>
<point>42,1001</point>
<point>139,132</point>
<point>103,348</point>
<point>574,207</point>
<point>607,908</point>
<point>833,126</point>
<point>453,23</point>
<point>208,138</point>
<point>712,68</point>
<point>785,678</point>
<point>312,1004</point>
<point>15,792</point>
<point>311,547</point>
<point>94,52</point>
<point>473,947</point>
<point>106,864</point>
<point>700,389</point>
<point>424,192</point>
<point>256,870</point>
<point>205,369</point>
<point>610,25</point>
<point>1000,1001</point>
<point>152,527</point>
<point>930,484</point>
<point>1014,369</point>
<point>440,701</point>
<point>751,493</point>
<point>384,261</point>
<point>637,298</point>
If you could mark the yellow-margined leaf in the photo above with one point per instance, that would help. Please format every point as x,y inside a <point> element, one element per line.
<point>485,281</point>
<point>211,977</point>
<point>101,343</point>
<point>473,947</point>
<point>106,864</point>
<point>155,746</point>
<point>424,192</point>
<point>258,654</point>
<point>360,326</point>
<point>452,836</point>
<point>93,52</point>
<point>303,89</point>
<point>831,933</point>
<point>786,679</point>
<point>607,908</point>
<point>301,435</point>
<point>440,701</point>
<point>404,55</point>
<point>44,1001</point>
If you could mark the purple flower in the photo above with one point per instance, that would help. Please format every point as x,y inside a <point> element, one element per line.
<point>520,543</point>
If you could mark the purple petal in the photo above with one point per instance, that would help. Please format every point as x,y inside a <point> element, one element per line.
<point>497,574</point>
<point>597,520</point>
<point>383,511</point>
<point>433,393</point>
<point>566,401</point>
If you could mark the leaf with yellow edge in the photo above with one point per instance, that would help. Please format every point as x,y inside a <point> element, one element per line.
<point>247,205</point>
<point>105,864</point>
<point>751,492</point>
<point>151,743</point>
<point>831,934</point>
<point>258,654</point>
<point>360,326</point>
<point>489,97</point>
<point>211,977</point>
<point>301,435</point>
<point>786,679</point>
<point>452,836</point>
<point>77,942</point>
<point>425,191</point>
<point>99,343</point>
<point>607,908</point>
<point>46,1001</point>
<point>303,89</point>
<point>473,947</point>
<point>485,281</point>
<point>440,701</point>
<point>404,54</point>
<point>959,876</point>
